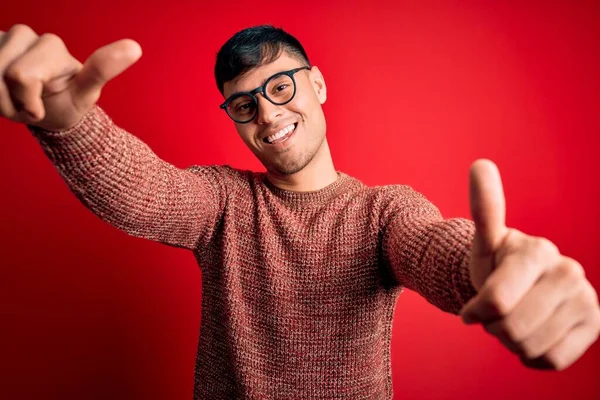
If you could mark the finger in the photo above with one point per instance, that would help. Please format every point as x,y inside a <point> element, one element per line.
<point>47,59</point>
<point>569,314</point>
<point>558,286</point>
<point>566,316</point>
<point>487,206</point>
<point>103,65</point>
<point>568,350</point>
<point>508,284</point>
<point>12,45</point>
<point>6,107</point>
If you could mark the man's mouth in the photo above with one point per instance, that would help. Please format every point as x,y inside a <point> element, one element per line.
<point>282,135</point>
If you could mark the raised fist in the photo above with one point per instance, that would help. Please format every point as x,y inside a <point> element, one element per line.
<point>42,84</point>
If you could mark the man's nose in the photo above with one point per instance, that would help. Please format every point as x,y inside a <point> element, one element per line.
<point>267,111</point>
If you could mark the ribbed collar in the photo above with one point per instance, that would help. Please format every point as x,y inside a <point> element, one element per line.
<point>341,184</point>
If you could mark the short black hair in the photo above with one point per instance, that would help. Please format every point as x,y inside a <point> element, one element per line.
<point>252,47</point>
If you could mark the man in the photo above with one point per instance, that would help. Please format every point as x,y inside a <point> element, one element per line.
<point>302,265</point>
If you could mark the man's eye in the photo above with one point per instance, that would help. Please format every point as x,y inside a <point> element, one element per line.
<point>244,107</point>
<point>281,87</point>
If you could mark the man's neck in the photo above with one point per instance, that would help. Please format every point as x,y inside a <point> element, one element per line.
<point>318,174</point>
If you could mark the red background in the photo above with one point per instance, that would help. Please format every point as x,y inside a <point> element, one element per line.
<point>417,91</point>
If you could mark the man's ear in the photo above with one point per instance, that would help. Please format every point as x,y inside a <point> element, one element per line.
<point>318,83</point>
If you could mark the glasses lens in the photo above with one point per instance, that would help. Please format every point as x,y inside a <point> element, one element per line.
<point>280,89</point>
<point>242,108</point>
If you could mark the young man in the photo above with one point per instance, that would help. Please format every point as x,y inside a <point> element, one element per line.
<point>302,265</point>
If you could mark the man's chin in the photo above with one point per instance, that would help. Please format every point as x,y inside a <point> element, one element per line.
<point>286,168</point>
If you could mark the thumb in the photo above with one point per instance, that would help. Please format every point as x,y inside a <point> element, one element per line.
<point>103,65</point>
<point>488,207</point>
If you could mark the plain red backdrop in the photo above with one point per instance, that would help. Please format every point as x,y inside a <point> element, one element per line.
<point>417,91</point>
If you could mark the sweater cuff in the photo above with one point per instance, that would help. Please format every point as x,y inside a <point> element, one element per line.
<point>461,276</point>
<point>87,139</point>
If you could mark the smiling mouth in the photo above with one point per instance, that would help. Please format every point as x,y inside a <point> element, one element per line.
<point>282,135</point>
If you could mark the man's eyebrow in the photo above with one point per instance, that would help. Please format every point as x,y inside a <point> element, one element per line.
<point>248,91</point>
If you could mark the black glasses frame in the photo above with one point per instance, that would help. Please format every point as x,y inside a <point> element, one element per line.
<point>262,90</point>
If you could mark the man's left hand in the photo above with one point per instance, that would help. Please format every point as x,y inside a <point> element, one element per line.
<point>536,301</point>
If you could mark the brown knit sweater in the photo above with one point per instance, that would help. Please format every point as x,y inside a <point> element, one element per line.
<point>299,288</point>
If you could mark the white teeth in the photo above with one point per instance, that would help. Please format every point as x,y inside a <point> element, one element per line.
<point>281,133</point>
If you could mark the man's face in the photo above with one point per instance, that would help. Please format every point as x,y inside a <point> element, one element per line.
<point>294,151</point>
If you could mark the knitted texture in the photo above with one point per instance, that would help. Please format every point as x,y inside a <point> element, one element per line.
<point>298,288</point>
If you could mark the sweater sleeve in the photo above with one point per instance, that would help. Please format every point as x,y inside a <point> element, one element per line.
<point>425,252</point>
<point>118,177</point>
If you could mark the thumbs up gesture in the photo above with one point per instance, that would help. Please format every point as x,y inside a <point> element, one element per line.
<point>536,301</point>
<point>42,84</point>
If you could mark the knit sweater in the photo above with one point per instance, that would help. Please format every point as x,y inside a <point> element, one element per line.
<point>298,288</point>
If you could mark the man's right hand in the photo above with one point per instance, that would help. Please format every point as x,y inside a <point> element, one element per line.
<point>42,84</point>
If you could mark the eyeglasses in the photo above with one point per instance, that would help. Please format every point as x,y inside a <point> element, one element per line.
<point>279,89</point>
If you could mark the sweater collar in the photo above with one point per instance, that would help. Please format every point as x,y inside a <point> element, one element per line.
<point>316,196</point>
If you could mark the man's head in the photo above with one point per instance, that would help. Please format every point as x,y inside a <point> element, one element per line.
<point>245,63</point>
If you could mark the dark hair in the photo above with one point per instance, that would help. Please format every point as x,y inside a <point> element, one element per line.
<point>253,47</point>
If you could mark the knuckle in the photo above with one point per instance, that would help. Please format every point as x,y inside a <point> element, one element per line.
<point>590,297</point>
<point>52,38</point>
<point>594,295</point>
<point>595,325</point>
<point>497,299</point>
<point>17,73</point>
<point>21,29</point>
<point>570,270</point>
<point>545,246</point>
<point>575,265</point>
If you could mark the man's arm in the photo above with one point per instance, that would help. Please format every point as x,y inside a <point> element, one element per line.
<point>111,171</point>
<point>425,252</point>
<point>120,179</point>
